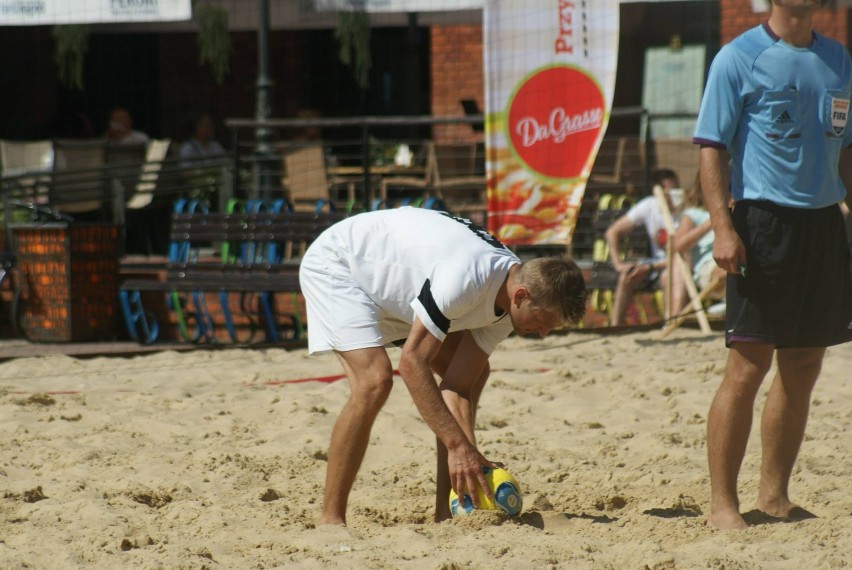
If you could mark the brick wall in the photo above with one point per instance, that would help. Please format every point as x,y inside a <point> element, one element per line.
<point>457,73</point>
<point>736,17</point>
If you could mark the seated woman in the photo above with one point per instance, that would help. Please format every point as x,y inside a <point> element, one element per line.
<point>694,241</point>
<point>202,149</point>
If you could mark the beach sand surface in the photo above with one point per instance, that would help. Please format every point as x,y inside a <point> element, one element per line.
<point>216,459</point>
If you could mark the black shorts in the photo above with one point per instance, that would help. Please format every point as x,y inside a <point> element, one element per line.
<point>652,281</point>
<point>797,291</point>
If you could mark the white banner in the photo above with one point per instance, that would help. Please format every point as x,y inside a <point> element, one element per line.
<point>550,76</point>
<point>419,5</point>
<point>396,5</point>
<point>50,12</point>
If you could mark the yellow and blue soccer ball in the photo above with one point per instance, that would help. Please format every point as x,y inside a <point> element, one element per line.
<point>504,487</point>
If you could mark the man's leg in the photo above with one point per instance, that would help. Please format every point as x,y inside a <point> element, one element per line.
<point>783,427</point>
<point>678,296</point>
<point>728,427</point>
<point>628,282</point>
<point>370,377</point>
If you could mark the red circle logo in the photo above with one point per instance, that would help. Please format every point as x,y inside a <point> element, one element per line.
<point>554,120</point>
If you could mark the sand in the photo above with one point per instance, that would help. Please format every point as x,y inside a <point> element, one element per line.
<point>210,459</point>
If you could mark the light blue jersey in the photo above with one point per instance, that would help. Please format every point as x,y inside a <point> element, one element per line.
<point>781,112</point>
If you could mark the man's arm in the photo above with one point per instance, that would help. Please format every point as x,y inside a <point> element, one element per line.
<point>465,367</point>
<point>464,461</point>
<point>728,250</point>
<point>613,236</point>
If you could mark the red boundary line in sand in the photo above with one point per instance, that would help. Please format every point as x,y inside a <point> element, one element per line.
<point>326,379</point>
<point>335,377</point>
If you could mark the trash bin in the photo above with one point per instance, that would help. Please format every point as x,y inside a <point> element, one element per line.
<point>69,281</point>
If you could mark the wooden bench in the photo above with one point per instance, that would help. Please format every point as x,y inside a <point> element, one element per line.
<point>251,254</point>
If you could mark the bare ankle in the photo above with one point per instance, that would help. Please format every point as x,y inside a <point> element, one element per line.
<point>784,509</point>
<point>774,507</point>
<point>726,519</point>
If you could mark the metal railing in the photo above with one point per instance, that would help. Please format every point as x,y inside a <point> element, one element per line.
<point>355,140</point>
<point>360,145</point>
<point>102,194</point>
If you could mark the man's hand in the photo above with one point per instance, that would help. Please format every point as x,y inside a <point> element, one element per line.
<point>729,251</point>
<point>465,465</point>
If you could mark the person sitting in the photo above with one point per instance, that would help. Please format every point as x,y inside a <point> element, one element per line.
<point>640,274</point>
<point>120,129</point>
<point>694,241</point>
<point>201,149</point>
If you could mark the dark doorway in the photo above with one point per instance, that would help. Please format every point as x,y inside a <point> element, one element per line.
<point>121,70</point>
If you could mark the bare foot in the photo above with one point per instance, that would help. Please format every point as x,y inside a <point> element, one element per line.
<point>757,517</point>
<point>784,510</point>
<point>338,532</point>
<point>338,537</point>
<point>726,520</point>
<point>797,513</point>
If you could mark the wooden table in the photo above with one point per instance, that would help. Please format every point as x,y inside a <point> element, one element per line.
<point>372,177</point>
<point>378,169</point>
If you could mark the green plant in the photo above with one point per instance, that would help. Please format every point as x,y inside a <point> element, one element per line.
<point>203,183</point>
<point>353,35</point>
<point>381,153</point>
<point>71,42</point>
<point>214,40</point>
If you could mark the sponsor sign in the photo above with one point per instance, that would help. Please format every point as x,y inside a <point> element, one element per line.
<point>550,72</point>
<point>50,12</point>
<point>396,5</point>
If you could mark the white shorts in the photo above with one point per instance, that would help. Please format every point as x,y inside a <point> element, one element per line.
<point>340,315</point>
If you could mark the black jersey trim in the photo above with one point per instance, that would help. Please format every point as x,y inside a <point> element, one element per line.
<point>432,309</point>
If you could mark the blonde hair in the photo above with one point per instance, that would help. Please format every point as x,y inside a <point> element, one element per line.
<point>555,283</point>
<point>692,197</point>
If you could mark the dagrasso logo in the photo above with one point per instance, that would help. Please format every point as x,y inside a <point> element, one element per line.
<point>554,119</point>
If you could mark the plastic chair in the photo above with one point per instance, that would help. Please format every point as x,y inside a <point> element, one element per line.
<point>18,158</point>
<point>123,164</point>
<point>307,184</point>
<point>455,180</point>
<point>79,184</point>
<point>21,157</point>
<point>619,162</point>
<point>143,192</point>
